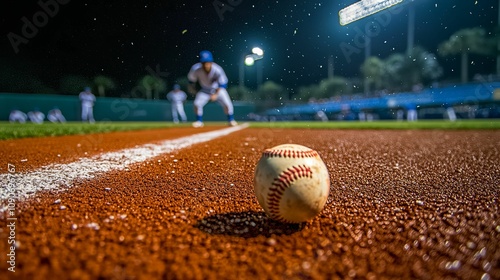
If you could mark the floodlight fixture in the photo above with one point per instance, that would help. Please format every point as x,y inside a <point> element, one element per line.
<point>249,60</point>
<point>258,51</point>
<point>363,9</point>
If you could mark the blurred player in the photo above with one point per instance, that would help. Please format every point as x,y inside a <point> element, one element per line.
<point>450,112</point>
<point>400,114</point>
<point>87,99</point>
<point>213,82</point>
<point>411,113</point>
<point>321,116</point>
<point>36,116</point>
<point>17,116</point>
<point>55,115</point>
<point>177,98</point>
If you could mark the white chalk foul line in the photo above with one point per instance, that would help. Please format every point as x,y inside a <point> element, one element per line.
<point>20,186</point>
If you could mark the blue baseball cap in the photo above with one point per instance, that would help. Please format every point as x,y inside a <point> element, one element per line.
<point>177,86</point>
<point>206,56</point>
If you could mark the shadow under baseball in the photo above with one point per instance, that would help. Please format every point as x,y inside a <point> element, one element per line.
<point>245,224</point>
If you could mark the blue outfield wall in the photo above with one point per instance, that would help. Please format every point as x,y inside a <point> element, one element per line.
<point>114,109</point>
<point>434,97</point>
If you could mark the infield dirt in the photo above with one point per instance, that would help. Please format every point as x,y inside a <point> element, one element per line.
<point>403,204</point>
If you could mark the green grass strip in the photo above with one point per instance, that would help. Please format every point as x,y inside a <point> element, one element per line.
<point>16,130</point>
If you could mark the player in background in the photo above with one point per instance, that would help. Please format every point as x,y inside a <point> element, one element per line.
<point>36,116</point>
<point>87,99</point>
<point>411,113</point>
<point>55,115</point>
<point>17,116</point>
<point>177,98</point>
<point>450,112</point>
<point>213,82</point>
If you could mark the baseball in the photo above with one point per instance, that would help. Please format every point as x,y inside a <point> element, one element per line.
<point>291,183</point>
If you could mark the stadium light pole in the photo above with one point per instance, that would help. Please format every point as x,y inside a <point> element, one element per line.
<point>258,54</point>
<point>411,27</point>
<point>249,60</point>
<point>242,72</point>
<point>368,46</point>
<point>331,66</point>
<point>365,8</point>
<point>498,41</point>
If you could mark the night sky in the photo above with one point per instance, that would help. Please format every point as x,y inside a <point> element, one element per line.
<point>123,39</point>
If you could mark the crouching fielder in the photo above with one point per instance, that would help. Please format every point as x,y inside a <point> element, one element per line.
<point>55,115</point>
<point>17,116</point>
<point>213,82</point>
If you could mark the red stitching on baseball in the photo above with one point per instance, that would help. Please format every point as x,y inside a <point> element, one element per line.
<point>290,153</point>
<point>280,184</point>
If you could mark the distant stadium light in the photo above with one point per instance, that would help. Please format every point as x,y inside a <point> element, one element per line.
<point>257,54</point>
<point>363,9</point>
<point>258,51</point>
<point>249,60</point>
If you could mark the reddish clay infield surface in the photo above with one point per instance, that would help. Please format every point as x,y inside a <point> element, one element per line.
<point>402,205</point>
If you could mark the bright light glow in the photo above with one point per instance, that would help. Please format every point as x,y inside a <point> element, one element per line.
<point>249,60</point>
<point>258,51</point>
<point>363,9</point>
